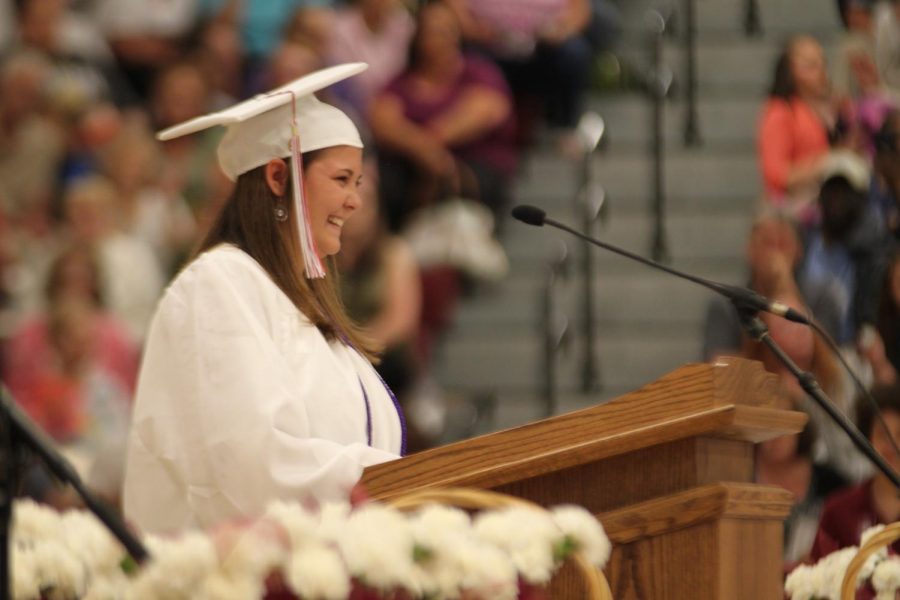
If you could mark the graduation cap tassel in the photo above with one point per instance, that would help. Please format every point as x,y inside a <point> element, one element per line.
<point>312,264</point>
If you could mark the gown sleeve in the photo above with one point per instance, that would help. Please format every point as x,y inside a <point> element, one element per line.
<point>221,420</point>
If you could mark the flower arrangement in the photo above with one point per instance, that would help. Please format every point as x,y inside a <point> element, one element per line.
<point>335,553</point>
<point>823,580</point>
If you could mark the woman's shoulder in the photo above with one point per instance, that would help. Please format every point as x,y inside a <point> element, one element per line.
<point>222,260</point>
<point>223,267</point>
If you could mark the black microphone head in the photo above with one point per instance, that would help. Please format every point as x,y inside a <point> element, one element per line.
<point>530,215</point>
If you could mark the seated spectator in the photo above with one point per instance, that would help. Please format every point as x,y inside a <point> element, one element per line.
<point>447,108</point>
<point>290,61</point>
<point>84,71</point>
<point>143,37</point>
<point>774,256</point>
<point>852,245</point>
<point>787,462</point>
<point>851,511</point>
<point>856,77</point>
<point>73,368</point>
<point>542,49</point>
<point>190,168</point>
<point>31,144</point>
<point>793,135</point>
<point>376,32</point>
<point>886,358</point>
<point>887,43</point>
<point>131,277</point>
<point>73,276</point>
<point>83,409</point>
<point>885,190</point>
<point>161,219</point>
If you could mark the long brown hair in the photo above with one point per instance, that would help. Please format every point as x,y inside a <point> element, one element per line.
<point>247,220</point>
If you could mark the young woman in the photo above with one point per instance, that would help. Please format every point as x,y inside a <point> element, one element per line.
<point>255,385</point>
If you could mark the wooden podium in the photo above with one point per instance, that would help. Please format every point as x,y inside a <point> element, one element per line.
<point>667,468</point>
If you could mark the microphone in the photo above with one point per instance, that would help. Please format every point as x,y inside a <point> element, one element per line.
<point>743,298</point>
<point>531,215</point>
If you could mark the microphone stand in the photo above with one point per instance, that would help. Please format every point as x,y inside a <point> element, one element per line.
<point>20,435</point>
<point>758,331</point>
<point>748,303</point>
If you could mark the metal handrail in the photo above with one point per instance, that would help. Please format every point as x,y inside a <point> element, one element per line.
<point>691,119</point>
<point>752,20</point>
<point>660,82</point>
<point>555,328</point>
<point>590,200</point>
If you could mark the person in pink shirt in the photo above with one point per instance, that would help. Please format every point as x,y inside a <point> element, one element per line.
<point>793,134</point>
<point>376,32</point>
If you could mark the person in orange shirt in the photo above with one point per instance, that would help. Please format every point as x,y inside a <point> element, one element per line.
<point>793,134</point>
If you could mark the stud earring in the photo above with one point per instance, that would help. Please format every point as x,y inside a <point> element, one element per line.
<point>281,214</point>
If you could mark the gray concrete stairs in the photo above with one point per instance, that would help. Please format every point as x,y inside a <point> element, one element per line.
<point>647,323</point>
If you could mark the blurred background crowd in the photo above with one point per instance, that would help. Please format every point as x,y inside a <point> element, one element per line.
<point>96,215</point>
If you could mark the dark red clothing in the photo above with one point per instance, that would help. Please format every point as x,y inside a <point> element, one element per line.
<point>846,515</point>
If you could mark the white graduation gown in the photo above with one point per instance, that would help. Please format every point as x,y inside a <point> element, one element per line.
<point>241,400</point>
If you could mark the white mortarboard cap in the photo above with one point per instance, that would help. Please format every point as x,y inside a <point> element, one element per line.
<point>259,129</point>
<point>848,165</point>
<point>282,123</point>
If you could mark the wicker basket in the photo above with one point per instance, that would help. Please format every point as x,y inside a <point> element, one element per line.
<point>597,588</point>
<point>889,535</point>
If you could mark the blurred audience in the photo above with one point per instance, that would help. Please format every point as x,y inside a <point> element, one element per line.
<point>31,142</point>
<point>851,511</point>
<point>774,256</point>
<point>852,243</point>
<point>444,124</point>
<point>144,35</point>
<point>376,32</point>
<point>787,462</point>
<point>885,188</point>
<point>147,212</point>
<point>542,47</point>
<point>131,277</point>
<point>887,43</point>
<point>73,367</point>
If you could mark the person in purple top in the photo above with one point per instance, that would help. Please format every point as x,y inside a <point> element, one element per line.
<point>444,123</point>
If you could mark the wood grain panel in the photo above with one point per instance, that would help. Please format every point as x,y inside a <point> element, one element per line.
<point>694,401</point>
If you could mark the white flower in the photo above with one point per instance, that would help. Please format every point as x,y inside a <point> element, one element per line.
<point>832,568</point>
<point>803,583</point>
<point>111,587</point>
<point>377,546</point>
<point>333,517</point>
<point>256,552</point>
<point>886,578</point>
<point>26,585</point>
<point>33,521</point>
<point>87,538</point>
<point>440,533</point>
<point>220,586</point>
<point>527,535</point>
<point>487,572</point>
<point>866,572</point>
<point>177,568</point>
<point>586,531</point>
<point>317,571</point>
<point>300,526</point>
<point>58,570</point>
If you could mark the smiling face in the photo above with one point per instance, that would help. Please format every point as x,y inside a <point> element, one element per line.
<point>332,191</point>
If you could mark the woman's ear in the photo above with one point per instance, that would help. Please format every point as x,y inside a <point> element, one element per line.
<point>276,171</point>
